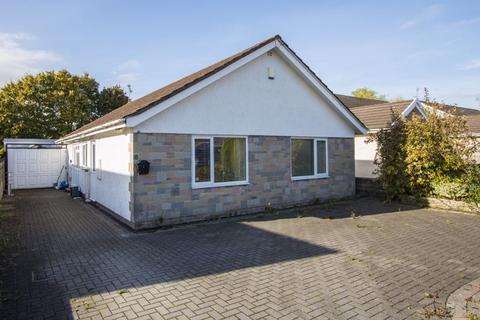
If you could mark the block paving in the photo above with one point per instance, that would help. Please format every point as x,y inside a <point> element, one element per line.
<point>310,263</point>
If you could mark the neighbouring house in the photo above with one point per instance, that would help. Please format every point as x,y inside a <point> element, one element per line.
<point>377,114</point>
<point>257,130</point>
<point>375,117</point>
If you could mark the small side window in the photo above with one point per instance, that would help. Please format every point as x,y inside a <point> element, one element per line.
<point>84,155</point>
<point>94,160</point>
<point>76,152</point>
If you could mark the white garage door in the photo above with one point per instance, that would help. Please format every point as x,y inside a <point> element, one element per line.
<point>35,168</point>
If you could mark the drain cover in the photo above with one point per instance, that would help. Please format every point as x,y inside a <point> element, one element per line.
<point>38,276</point>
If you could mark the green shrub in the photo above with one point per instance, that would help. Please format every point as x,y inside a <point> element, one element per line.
<point>428,157</point>
<point>391,157</point>
<point>455,189</point>
<point>472,183</point>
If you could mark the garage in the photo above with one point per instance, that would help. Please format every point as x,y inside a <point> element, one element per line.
<point>34,163</point>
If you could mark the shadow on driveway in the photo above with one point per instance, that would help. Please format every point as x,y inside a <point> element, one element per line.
<point>72,250</point>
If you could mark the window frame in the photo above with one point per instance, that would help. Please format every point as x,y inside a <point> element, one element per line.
<point>84,155</point>
<point>212,183</point>
<point>76,155</point>
<point>93,156</point>
<point>315,160</point>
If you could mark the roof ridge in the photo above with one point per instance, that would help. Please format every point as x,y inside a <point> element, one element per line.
<point>147,101</point>
<point>388,103</point>
<point>171,89</point>
<point>355,97</point>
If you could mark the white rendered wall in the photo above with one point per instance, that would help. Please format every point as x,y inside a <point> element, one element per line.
<point>363,150</point>
<point>109,183</point>
<point>246,102</point>
<point>364,156</point>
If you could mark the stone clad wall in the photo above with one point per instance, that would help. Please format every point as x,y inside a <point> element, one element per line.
<point>165,195</point>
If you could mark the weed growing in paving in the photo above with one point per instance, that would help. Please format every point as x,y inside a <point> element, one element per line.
<point>434,309</point>
<point>123,291</point>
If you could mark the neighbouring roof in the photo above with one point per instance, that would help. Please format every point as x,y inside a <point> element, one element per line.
<point>27,141</point>
<point>353,102</point>
<point>377,116</point>
<point>144,103</point>
<point>472,116</point>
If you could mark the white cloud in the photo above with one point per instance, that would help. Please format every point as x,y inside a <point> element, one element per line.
<point>127,72</point>
<point>472,64</point>
<point>16,59</point>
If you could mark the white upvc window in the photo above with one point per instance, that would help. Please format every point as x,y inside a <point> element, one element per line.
<point>84,162</point>
<point>219,161</point>
<point>309,158</point>
<point>93,153</point>
<point>76,155</point>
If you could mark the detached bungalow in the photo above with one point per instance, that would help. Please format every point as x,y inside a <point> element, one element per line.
<point>256,130</point>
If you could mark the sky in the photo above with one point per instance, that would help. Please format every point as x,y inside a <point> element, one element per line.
<point>394,47</point>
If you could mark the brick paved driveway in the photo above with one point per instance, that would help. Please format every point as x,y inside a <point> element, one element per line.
<point>303,265</point>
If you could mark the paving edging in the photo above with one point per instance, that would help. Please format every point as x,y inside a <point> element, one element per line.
<point>465,301</point>
<point>443,204</point>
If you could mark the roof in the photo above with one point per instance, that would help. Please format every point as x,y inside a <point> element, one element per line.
<point>144,103</point>
<point>353,102</point>
<point>472,116</point>
<point>27,141</point>
<point>378,116</point>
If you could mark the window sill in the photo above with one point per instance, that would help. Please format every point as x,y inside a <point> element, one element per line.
<point>76,166</point>
<point>323,176</point>
<point>219,184</point>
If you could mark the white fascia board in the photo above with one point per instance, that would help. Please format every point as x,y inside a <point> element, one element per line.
<point>414,104</point>
<point>99,129</point>
<point>421,110</point>
<point>133,121</point>
<point>312,79</point>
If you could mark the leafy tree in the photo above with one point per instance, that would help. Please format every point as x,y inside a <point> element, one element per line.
<point>51,104</point>
<point>367,93</point>
<point>110,99</point>
<point>439,149</point>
